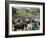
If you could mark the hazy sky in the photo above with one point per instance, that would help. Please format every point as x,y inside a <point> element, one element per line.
<point>24,7</point>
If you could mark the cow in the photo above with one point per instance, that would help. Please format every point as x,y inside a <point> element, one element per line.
<point>21,23</point>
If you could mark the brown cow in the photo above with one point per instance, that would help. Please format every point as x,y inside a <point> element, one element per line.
<point>21,23</point>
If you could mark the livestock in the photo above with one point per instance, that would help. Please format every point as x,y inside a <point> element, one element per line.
<point>20,23</point>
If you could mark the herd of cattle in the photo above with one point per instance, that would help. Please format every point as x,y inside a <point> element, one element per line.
<point>23,23</point>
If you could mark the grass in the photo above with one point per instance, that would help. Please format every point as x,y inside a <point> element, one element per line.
<point>26,12</point>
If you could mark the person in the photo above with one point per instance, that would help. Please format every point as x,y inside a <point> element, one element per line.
<point>34,25</point>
